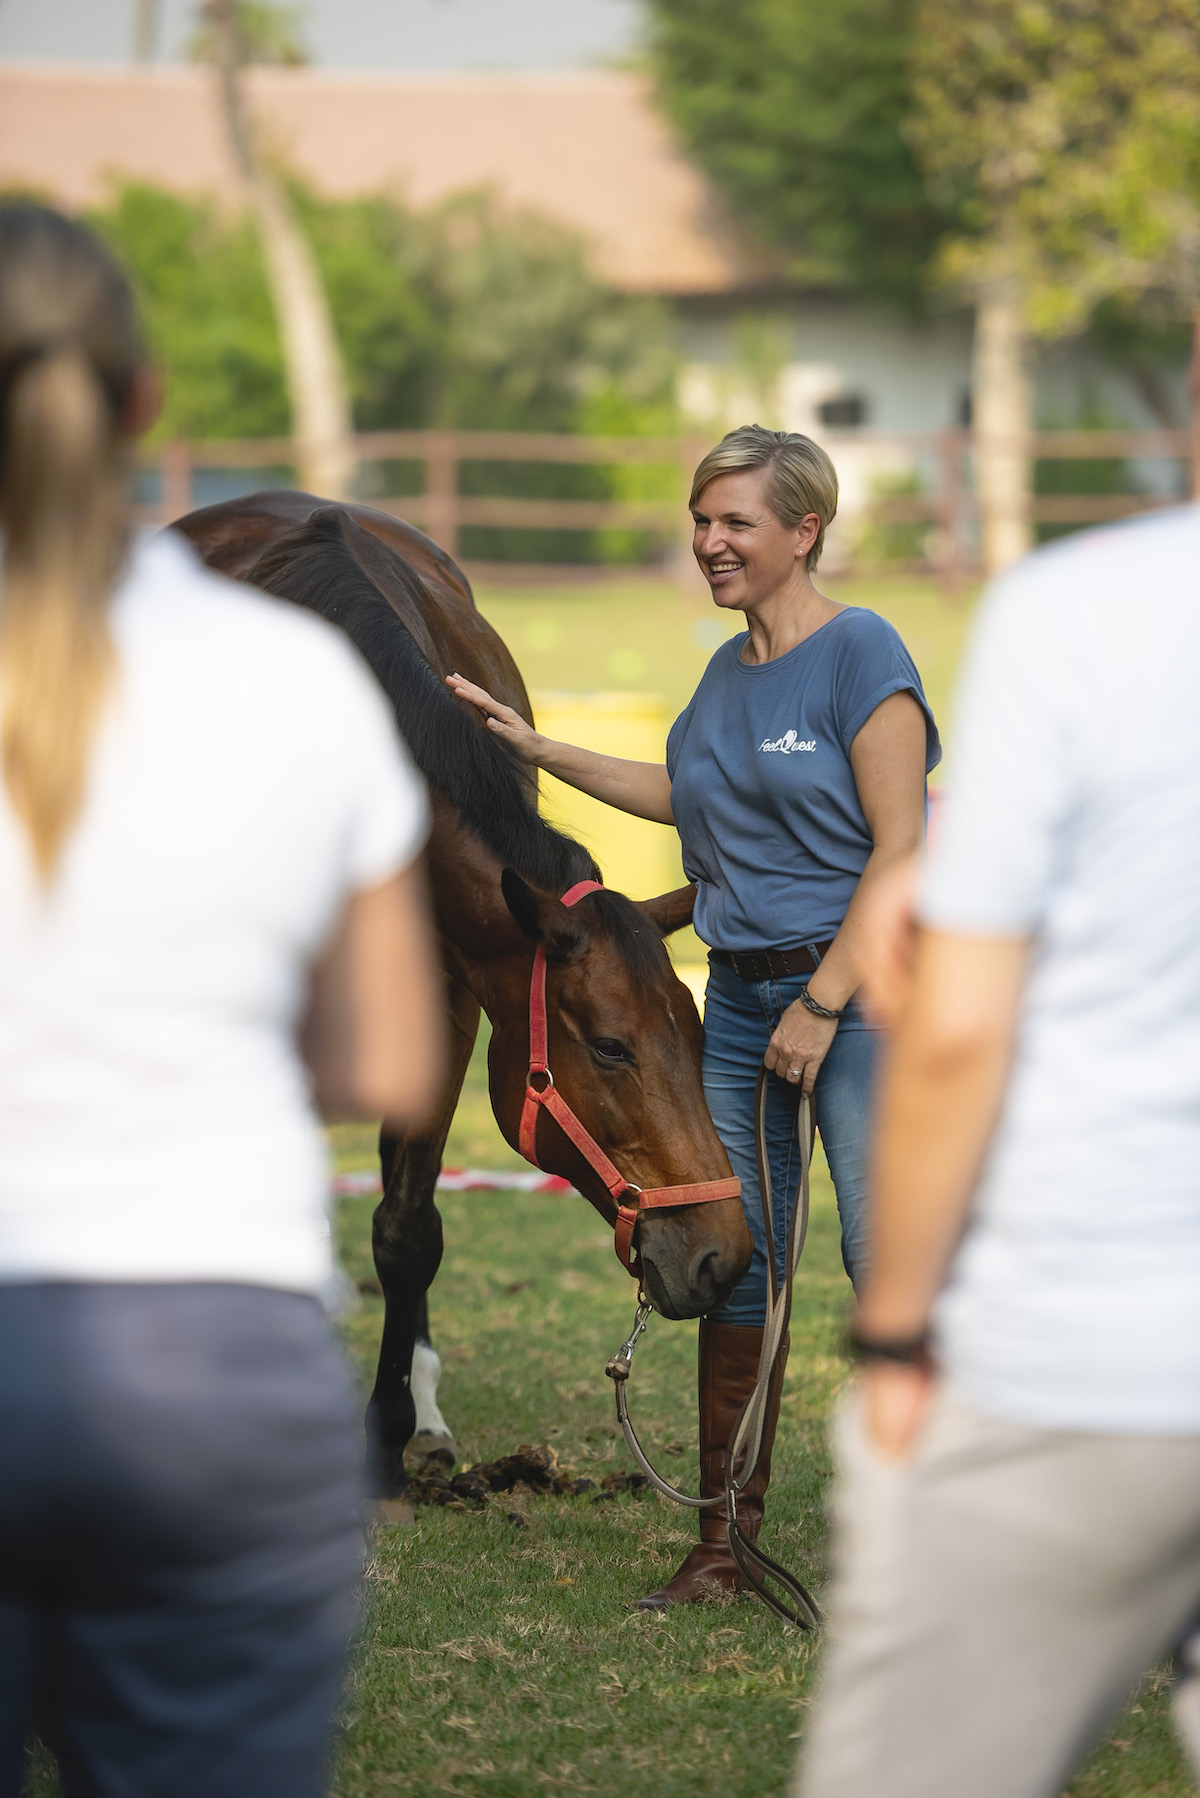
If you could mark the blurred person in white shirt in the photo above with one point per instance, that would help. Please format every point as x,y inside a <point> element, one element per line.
<point>211,912</point>
<point>1017,1508</point>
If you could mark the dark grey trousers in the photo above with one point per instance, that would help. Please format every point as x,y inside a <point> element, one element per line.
<point>179,1540</point>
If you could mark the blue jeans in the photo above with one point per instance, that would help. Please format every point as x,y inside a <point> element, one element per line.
<point>740,1017</point>
<point>179,1544</point>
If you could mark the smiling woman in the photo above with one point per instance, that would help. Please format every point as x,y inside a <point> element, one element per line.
<point>796,778</point>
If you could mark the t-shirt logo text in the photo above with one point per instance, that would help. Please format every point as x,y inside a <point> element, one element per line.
<point>788,744</point>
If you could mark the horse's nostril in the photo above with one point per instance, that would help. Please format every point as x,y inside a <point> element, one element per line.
<point>710,1278</point>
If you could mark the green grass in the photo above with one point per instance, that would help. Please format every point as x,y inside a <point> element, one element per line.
<point>502,1658</point>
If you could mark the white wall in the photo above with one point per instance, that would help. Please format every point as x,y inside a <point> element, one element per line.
<point>780,365</point>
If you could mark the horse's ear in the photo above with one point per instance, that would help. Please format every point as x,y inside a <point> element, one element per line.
<point>543,918</point>
<point>670,911</point>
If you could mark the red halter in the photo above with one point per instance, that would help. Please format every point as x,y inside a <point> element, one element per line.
<point>630,1200</point>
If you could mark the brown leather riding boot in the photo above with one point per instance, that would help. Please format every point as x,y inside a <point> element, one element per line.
<point>728,1368</point>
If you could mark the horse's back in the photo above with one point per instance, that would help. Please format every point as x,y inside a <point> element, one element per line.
<point>233,534</point>
<point>428,591</point>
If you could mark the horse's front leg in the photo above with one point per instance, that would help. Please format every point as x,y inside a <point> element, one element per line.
<point>406,1238</point>
<point>432,1435</point>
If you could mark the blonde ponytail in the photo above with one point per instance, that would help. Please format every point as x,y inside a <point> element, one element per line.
<point>68,351</point>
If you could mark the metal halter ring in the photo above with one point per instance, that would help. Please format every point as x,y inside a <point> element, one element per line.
<point>530,1087</point>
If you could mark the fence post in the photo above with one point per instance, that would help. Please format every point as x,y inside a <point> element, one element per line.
<point>175,482</point>
<point>441,490</point>
<point>950,498</point>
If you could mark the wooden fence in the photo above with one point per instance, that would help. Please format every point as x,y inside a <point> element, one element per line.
<point>941,462</point>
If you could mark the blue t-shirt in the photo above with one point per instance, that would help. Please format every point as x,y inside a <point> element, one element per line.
<point>762,788</point>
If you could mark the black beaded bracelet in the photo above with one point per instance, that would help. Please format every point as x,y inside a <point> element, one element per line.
<point>902,1351</point>
<point>814,1005</point>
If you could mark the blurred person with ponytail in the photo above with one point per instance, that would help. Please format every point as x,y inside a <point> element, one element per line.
<point>209,909</point>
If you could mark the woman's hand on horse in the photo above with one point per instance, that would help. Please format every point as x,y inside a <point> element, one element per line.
<point>525,742</point>
<point>799,1046</point>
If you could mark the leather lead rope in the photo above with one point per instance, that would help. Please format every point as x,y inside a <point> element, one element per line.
<point>794,1604</point>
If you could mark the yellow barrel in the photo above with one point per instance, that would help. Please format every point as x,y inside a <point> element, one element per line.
<point>636,857</point>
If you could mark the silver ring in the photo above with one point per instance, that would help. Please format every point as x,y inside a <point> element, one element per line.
<point>794,1073</point>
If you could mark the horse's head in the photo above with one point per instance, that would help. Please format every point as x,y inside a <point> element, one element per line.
<point>624,1048</point>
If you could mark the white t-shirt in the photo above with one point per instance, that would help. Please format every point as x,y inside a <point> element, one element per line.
<point>1074,817</point>
<point>155,1121</point>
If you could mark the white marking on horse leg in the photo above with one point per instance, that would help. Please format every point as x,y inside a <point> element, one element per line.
<point>426,1372</point>
<point>432,1435</point>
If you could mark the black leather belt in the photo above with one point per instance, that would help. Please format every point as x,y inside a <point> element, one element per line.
<point>772,964</point>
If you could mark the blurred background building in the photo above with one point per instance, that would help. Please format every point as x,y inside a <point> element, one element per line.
<point>615,218</point>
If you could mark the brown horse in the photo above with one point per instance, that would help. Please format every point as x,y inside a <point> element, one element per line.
<point>624,1035</point>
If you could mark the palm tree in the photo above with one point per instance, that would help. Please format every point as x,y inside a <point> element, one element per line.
<point>145,30</point>
<point>321,426</point>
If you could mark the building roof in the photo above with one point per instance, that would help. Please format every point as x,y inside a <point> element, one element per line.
<point>588,150</point>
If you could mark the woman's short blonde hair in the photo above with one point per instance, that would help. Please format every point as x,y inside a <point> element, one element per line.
<point>801,478</point>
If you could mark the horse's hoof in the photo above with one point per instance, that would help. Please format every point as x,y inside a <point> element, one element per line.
<point>397,1513</point>
<point>430,1449</point>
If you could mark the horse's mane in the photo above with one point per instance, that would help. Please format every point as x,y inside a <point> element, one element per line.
<point>314,566</point>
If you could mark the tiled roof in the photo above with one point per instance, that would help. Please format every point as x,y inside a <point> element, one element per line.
<point>586,149</point>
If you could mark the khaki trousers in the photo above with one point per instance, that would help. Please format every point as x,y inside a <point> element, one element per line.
<point>996,1597</point>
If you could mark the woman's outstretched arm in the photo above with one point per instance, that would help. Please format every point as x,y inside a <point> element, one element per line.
<point>641,788</point>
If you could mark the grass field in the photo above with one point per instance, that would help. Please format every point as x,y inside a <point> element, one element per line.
<point>500,1657</point>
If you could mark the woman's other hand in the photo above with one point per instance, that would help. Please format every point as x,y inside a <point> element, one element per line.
<point>799,1046</point>
<point>526,743</point>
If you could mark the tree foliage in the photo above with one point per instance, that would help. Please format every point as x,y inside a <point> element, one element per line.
<point>265,34</point>
<point>798,110</point>
<point>465,315</point>
<point>889,144</point>
<point>1063,138</point>
<point>208,314</point>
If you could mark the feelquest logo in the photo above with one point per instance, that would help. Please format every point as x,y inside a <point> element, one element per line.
<point>788,744</point>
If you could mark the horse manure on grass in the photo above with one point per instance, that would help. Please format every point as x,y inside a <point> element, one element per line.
<point>532,1470</point>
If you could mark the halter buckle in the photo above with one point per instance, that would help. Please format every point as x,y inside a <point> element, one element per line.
<point>623,1204</point>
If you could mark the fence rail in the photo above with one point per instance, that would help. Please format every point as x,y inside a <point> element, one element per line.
<point>941,461</point>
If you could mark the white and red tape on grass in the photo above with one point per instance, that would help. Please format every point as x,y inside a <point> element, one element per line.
<point>365,1185</point>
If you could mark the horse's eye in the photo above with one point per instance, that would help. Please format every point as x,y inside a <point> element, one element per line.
<point>612,1053</point>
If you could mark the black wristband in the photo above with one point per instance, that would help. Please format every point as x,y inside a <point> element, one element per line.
<point>902,1351</point>
<point>814,1005</point>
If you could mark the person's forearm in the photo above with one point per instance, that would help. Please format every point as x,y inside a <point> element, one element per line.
<point>841,971</point>
<point>941,1094</point>
<point>640,788</point>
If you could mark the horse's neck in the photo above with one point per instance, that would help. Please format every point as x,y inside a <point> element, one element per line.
<point>483,945</point>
